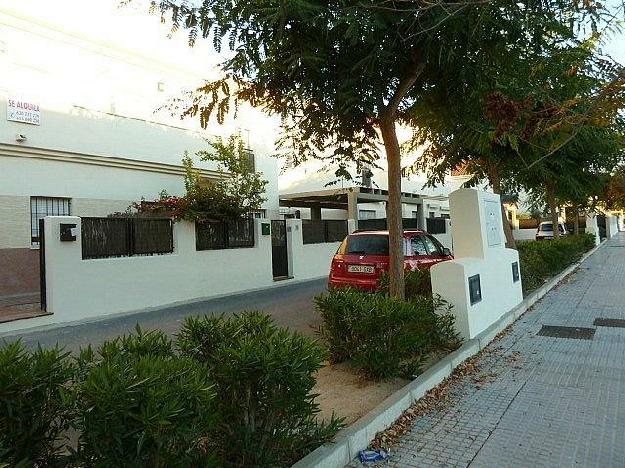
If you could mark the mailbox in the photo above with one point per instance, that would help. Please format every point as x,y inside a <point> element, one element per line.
<point>265,229</point>
<point>68,232</point>
<point>475,289</point>
<point>515,272</point>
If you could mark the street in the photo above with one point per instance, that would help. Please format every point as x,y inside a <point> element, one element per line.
<point>291,306</point>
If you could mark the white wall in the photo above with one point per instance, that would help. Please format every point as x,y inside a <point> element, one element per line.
<point>80,289</point>
<point>524,234</point>
<point>81,132</point>
<point>308,260</point>
<point>479,249</point>
<point>611,225</point>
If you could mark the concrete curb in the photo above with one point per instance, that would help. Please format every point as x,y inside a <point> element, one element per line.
<point>356,437</point>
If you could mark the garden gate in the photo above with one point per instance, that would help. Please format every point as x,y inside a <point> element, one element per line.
<point>279,253</point>
<point>42,265</point>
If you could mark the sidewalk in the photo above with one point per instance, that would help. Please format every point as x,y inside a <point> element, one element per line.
<point>538,400</point>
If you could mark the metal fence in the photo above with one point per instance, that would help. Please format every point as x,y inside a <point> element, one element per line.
<point>380,224</point>
<point>125,237</point>
<point>436,225</point>
<point>318,231</point>
<point>230,234</point>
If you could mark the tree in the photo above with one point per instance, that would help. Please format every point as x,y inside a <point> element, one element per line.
<point>344,74</point>
<point>523,106</point>
<point>238,191</point>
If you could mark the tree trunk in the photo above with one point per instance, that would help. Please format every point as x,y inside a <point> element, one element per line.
<point>495,182</point>
<point>576,220</point>
<point>550,190</point>
<point>393,208</point>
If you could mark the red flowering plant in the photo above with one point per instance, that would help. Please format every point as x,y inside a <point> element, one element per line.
<point>239,190</point>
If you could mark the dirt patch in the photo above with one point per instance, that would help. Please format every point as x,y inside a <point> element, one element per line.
<point>346,394</point>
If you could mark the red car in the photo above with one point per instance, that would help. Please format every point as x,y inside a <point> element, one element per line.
<point>363,256</point>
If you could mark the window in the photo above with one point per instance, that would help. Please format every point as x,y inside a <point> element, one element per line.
<point>40,207</point>
<point>418,247</point>
<point>432,246</point>
<point>258,214</point>
<point>367,245</point>
<point>251,161</point>
<point>366,214</point>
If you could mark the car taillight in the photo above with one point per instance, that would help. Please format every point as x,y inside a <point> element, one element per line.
<point>337,264</point>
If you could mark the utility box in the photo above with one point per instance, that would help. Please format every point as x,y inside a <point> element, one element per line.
<point>483,281</point>
<point>68,232</point>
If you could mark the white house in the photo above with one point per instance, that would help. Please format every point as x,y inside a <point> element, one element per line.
<point>79,134</point>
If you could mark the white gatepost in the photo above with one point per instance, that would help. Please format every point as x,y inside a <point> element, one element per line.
<point>483,282</point>
<point>611,225</point>
<point>592,227</point>
<point>351,225</point>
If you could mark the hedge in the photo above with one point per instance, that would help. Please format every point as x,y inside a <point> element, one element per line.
<point>541,260</point>
<point>382,336</point>
<point>231,391</point>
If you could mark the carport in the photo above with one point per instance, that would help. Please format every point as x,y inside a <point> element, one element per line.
<point>347,199</point>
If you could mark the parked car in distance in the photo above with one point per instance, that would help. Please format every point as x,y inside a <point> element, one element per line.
<point>363,256</point>
<point>545,230</point>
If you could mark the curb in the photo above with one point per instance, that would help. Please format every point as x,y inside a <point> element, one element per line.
<point>356,437</point>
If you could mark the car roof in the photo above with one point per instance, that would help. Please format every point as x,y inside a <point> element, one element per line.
<point>385,233</point>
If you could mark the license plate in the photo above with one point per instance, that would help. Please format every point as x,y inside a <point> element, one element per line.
<point>360,269</point>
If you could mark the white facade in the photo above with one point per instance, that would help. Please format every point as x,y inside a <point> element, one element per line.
<point>99,142</point>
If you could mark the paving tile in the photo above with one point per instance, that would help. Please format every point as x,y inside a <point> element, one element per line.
<point>548,401</point>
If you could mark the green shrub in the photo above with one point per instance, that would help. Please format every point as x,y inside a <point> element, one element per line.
<point>418,283</point>
<point>139,405</point>
<point>35,404</point>
<point>383,336</point>
<point>541,260</point>
<point>264,376</point>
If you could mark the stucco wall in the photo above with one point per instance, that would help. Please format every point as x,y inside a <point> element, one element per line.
<point>308,260</point>
<point>80,289</point>
<point>14,222</point>
<point>479,249</point>
<point>524,234</point>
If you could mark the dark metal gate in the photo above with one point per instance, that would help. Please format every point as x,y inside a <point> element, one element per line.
<point>279,254</point>
<point>42,265</point>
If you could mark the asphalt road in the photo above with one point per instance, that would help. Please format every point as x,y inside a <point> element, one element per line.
<point>290,305</point>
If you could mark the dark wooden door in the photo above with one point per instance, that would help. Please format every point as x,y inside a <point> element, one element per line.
<point>42,265</point>
<point>279,253</point>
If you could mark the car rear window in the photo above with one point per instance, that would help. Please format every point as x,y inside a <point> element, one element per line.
<point>546,227</point>
<point>367,245</point>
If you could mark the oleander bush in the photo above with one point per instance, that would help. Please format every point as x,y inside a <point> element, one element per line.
<point>264,377</point>
<point>35,405</point>
<point>418,283</point>
<point>138,404</point>
<point>540,260</point>
<point>383,336</point>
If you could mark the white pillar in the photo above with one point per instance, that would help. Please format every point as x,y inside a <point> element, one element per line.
<point>482,264</point>
<point>294,244</point>
<point>611,225</point>
<point>591,226</point>
<point>351,225</point>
